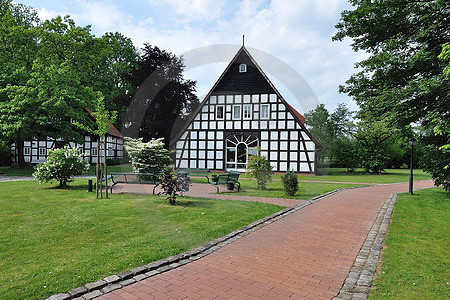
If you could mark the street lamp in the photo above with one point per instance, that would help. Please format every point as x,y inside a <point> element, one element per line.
<point>411,175</point>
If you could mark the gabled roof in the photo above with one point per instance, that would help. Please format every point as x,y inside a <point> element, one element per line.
<point>112,130</point>
<point>297,114</point>
<point>243,51</point>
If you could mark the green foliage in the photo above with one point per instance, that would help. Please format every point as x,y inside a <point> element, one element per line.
<point>62,165</point>
<point>46,104</point>
<point>290,183</point>
<point>5,154</point>
<point>147,157</point>
<point>328,128</point>
<point>172,184</point>
<point>406,75</point>
<point>113,162</point>
<point>173,99</point>
<point>52,71</point>
<point>372,135</point>
<point>260,168</point>
<point>346,153</point>
<point>318,123</point>
<point>436,162</point>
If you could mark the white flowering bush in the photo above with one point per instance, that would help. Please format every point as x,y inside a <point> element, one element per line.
<point>62,165</point>
<point>148,157</point>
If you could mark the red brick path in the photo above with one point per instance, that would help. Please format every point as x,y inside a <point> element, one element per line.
<point>305,255</point>
<point>203,190</point>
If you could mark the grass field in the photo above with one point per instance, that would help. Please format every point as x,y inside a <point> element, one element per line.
<point>332,174</point>
<point>415,260</point>
<point>56,239</point>
<point>340,174</point>
<point>306,190</point>
<point>29,171</point>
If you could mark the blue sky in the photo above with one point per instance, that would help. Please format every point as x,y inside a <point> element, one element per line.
<point>298,32</point>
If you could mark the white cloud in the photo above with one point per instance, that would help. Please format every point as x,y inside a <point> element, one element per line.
<point>194,10</point>
<point>45,14</point>
<point>102,15</point>
<point>296,31</point>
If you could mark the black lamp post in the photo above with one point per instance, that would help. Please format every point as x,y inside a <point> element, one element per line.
<point>411,175</point>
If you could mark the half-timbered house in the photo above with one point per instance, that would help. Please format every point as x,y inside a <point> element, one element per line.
<point>244,111</point>
<point>35,151</point>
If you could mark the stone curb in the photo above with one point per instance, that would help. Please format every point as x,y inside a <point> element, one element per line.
<point>98,288</point>
<point>359,280</point>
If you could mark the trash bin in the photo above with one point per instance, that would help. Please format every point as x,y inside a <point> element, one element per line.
<point>230,186</point>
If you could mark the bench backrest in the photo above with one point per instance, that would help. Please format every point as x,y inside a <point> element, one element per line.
<point>233,176</point>
<point>142,178</point>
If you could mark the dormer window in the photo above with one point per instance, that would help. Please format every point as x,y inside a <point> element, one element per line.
<point>242,68</point>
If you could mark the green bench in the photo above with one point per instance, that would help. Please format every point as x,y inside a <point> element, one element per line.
<point>232,177</point>
<point>195,172</point>
<point>136,178</point>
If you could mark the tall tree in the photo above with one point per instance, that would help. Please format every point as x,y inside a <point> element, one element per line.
<point>174,95</point>
<point>116,59</point>
<point>47,94</point>
<point>341,120</point>
<point>318,122</point>
<point>52,71</point>
<point>372,135</point>
<point>403,75</point>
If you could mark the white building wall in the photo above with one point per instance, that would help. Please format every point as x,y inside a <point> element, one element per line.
<point>281,139</point>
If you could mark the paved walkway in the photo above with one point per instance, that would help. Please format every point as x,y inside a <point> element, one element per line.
<point>31,178</point>
<point>305,255</point>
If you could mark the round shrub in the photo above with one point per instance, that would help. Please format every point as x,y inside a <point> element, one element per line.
<point>290,183</point>
<point>62,165</point>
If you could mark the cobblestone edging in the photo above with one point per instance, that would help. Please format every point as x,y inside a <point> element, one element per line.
<point>359,280</point>
<point>98,288</point>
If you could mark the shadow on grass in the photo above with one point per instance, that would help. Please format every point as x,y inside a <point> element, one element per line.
<point>78,187</point>
<point>188,202</point>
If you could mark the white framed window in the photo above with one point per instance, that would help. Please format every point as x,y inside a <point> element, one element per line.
<point>239,147</point>
<point>27,150</point>
<point>242,68</point>
<point>42,151</point>
<point>94,151</point>
<point>265,111</point>
<point>236,112</point>
<point>220,112</point>
<point>247,111</point>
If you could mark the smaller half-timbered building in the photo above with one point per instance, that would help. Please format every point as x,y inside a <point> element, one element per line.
<point>244,112</point>
<point>35,151</point>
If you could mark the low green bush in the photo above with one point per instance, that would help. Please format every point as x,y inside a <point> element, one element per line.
<point>290,183</point>
<point>259,167</point>
<point>113,161</point>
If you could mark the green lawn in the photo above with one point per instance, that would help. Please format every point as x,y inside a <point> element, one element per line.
<point>306,190</point>
<point>332,174</point>
<point>29,171</point>
<point>340,174</point>
<point>415,260</point>
<point>56,239</point>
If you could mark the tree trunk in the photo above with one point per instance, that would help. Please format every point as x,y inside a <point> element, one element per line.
<point>105,166</point>
<point>20,155</point>
<point>97,170</point>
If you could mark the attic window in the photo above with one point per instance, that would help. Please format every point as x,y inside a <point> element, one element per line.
<point>242,68</point>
